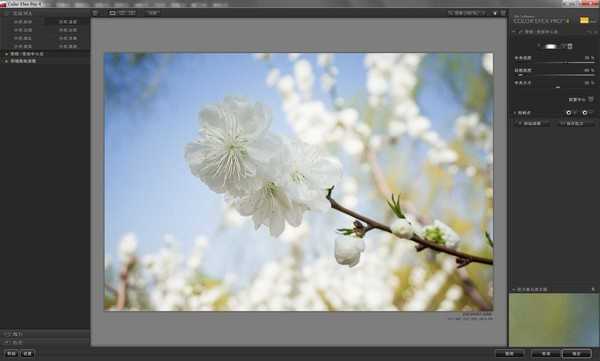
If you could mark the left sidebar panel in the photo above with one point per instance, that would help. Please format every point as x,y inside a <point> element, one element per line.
<point>45,131</point>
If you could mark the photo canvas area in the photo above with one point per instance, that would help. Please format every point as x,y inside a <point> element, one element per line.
<point>233,182</point>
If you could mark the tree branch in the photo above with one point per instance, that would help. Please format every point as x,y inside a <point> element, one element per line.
<point>123,287</point>
<point>471,290</point>
<point>373,224</point>
<point>381,184</point>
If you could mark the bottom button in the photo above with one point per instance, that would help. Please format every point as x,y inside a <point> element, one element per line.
<point>576,353</point>
<point>512,353</point>
<point>28,353</point>
<point>10,353</point>
<point>545,353</point>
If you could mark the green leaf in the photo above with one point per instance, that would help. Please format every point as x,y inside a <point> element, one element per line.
<point>346,231</point>
<point>489,239</point>
<point>395,206</point>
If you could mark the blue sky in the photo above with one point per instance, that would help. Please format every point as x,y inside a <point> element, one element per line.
<point>149,189</point>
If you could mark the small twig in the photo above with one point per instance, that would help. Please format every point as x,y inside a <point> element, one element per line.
<point>462,262</point>
<point>471,290</point>
<point>381,183</point>
<point>124,284</point>
<point>420,247</point>
<point>424,242</point>
<point>378,175</point>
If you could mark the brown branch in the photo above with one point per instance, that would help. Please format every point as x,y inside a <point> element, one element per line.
<point>420,247</point>
<point>123,287</point>
<point>378,175</point>
<point>373,224</point>
<point>471,290</point>
<point>382,186</point>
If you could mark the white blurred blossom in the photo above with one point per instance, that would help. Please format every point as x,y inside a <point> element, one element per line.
<point>353,145</point>
<point>348,117</point>
<point>286,86</point>
<point>273,77</point>
<point>325,59</point>
<point>375,142</point>
<point>304,77</point>
<point>470,128</point>
<point>127,247</point>
<point>487,61</point>
<point>396,128</point>
<point>363,129</point>
<point>416,126</point>
<point>377,84</point>
<point>263,56</point>
<point>312,121</point>
<point>327,82</point>
<point>197,254</point>
<point>442,155</point>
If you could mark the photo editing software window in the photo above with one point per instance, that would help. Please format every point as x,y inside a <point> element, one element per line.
<point>262,179</point>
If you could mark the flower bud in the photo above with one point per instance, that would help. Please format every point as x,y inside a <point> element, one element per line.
<point>441,233</point>
<point>348,249</point>
<point>401,228</point>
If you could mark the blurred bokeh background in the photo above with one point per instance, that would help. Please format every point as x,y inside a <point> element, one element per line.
<point>416,125</point>
<point>554,320</point>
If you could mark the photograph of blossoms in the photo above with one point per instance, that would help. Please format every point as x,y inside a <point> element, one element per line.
<point>298,182</point>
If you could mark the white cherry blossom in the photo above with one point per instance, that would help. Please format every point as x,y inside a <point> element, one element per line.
<point>310,173</point>
<point>269,205</point>
<point>232,145</point>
